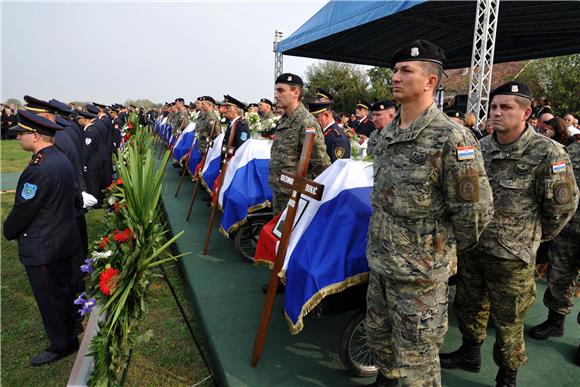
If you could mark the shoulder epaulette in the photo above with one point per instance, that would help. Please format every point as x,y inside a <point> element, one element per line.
<point>37,159</point>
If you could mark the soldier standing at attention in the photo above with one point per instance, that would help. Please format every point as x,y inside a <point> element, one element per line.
<point>42,220</point>
<point>181,118</point>
<point>290,132</point>
<point>382,113</point>
<point>431,199</point>
<point>535,195</point>
<point>563,270</point>
<point>208,123</point>
<point>266,109</point>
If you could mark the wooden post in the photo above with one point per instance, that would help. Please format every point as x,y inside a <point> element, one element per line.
<point>300,186</point>
<point>227,153</point>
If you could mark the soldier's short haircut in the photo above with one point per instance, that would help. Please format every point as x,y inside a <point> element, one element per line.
<point>46,138</point>
<point>300,91</point>
<point>522,102</point>
<point>436,69</point>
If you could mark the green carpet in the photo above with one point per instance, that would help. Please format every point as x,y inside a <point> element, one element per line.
<point>9,181</point>
<point>226,294</point>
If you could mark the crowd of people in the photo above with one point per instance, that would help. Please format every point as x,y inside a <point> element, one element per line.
<point>447,198</point>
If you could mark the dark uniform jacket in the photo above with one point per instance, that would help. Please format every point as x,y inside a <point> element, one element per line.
<point>117,126</point>
<point>66,145</point>
<point>337,144</point>
<point>43,214</point>
<point>241,134</point>
<point>364,127</point>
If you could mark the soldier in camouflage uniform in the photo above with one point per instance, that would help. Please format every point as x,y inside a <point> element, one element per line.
<point>431,198</point>
<point>563,270</point>
<point>208,123</point>
<point>266,109</point>
<point>382,113</point>
<point>290,133</point>
<point>535,195</point>
<point>181,118</point>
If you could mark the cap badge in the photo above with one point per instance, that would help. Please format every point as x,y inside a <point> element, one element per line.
<point>289,79</point>
<point>515,89</point>
<point>414,51</point>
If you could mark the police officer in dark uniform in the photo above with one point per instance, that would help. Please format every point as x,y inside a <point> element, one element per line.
<point>92,160</point>
<point>117,126</point>
<point>234,113</point>
<point>362,125</point>
<point>103,147</point>
<point>337,144</point>
<point>42,220</point>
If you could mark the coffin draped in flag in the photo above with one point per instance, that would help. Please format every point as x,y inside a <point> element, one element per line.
<point>245,187</point>
<point>327,248</point>
<point>183,143</point>
<point>194,158</point>
<point>212,166</point>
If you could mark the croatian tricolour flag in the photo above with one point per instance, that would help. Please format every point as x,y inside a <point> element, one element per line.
<point>245,188</point>
<point>212,166</point>
<point>327,248</point>
<point>184,142</point>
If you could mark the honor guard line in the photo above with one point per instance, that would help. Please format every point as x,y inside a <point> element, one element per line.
<point>299,185</point>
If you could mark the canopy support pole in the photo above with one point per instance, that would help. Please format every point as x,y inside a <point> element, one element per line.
<point>278,56</point>
<point>482,59</point>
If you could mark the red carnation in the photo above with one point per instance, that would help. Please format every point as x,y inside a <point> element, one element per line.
<point>127,136</point>
<point>109,281</point>
<point>116,208</point>
<point>103,242</point>
<point>123,236</point>
<point>119,181</point>
<point>130,125</point>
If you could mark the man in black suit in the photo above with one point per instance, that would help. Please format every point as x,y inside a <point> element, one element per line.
<point>42,220</point>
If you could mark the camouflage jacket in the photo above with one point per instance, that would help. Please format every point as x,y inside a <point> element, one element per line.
<point>372,142</point>
<point>181,119</point>
<point>534,194</point>
<point>431,198</point>
<point>287,147</point>
<point>573,227</point>
<point>205,123</point>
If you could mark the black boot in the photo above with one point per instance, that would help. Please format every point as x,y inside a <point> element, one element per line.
<point>506,377</point>
<point>467,357</point>
<point>578,356</point>
<point>383,381</point>
<point>553,326</point>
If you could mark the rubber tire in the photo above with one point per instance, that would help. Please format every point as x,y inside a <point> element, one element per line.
<point>243,241</point>
<point>354,367</point>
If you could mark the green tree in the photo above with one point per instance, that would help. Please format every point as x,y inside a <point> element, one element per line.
<point>557,78</point>
<point>381,85</point>
<point>348,82</point>
<point>15,101</point>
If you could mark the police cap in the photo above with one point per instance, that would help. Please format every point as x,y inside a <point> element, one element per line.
<point>38,106</point>
<point>290,79</point>
<point>92,109</point>
<point>231,101</point>
<point>61,107</point>
<point>362,104</point>
<point>518,89</point>
<point>28,122</point>
<point>88,115</point>
<point>419,50</point>
<point>318,107</point>
<point>323,93</point>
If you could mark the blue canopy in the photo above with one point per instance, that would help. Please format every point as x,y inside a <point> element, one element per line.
<point>369,32</point>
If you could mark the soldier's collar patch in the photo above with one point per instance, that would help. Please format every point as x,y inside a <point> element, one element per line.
<point>28,191</point>
<point>465,153</point>
<point>559,167</point>
<point>37,159</point>
<point>339,152</point>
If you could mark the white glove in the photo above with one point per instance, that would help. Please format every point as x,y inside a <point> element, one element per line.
<point>88,200</point>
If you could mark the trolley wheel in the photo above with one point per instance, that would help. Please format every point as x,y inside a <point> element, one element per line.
<point>353,350</point>
<point>247,239</point>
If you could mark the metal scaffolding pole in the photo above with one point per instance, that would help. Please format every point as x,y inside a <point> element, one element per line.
<point>278,57</point>
<point>482,59</point>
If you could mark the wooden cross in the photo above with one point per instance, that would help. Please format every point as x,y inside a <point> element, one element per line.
<point>300,186</point>
<point>228,152</point>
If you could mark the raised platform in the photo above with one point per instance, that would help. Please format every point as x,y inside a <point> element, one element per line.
<point>226,294</point>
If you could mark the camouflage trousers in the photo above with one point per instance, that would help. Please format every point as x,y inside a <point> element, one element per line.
<point>564,268</point>
<point>500,288</point>
<point>279,202</point>
<point>405,325</point>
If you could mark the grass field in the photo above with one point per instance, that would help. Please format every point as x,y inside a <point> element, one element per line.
<point>168,358</point>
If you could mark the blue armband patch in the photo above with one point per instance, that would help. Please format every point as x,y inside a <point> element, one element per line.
<point>28,191</point>
<point>243,136</point>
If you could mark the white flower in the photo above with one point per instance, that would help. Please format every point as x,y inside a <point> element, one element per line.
<point>101,255</point>
<point>111,200</point>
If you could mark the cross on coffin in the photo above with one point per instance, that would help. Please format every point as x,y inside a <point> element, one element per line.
<point>299,185</point>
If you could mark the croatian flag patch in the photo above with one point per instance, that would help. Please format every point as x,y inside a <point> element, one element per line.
<point>465,153</point>
<point>559,167</point>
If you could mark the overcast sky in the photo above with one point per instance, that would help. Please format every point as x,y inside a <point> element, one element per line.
<point>109,51</point>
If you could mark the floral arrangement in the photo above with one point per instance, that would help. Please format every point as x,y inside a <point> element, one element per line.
<point>119,269</point>
<point>261,127</point>
<point>358,144</point>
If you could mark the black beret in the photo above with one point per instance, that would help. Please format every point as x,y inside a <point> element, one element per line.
<point>38,106</point>
<point>87,114</point>
<point>231,101</point>
<point>206,98</point>
<point>419,50</point>
<point>266,100</point>
<point>92,109</point>
<point>382,105</point>
<point>30,122</point>
<point>455,113</point>
<point>252,105</point>
<point>290,79</point>
<point>323,93</point>
<point>318,107</point>
<point>362,104</point>
<point>512,88</point>
<point>62,107</point>
<point>135,107</point>
<point>179,100</point>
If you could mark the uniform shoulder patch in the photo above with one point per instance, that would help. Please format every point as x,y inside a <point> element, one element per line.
<point>465,153</point>
<point>28,191</point>
<point>559,167</point>
<point>244,136</point>
<point>563,193</point>
<point>467,189</point>
<point>339,152</point>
